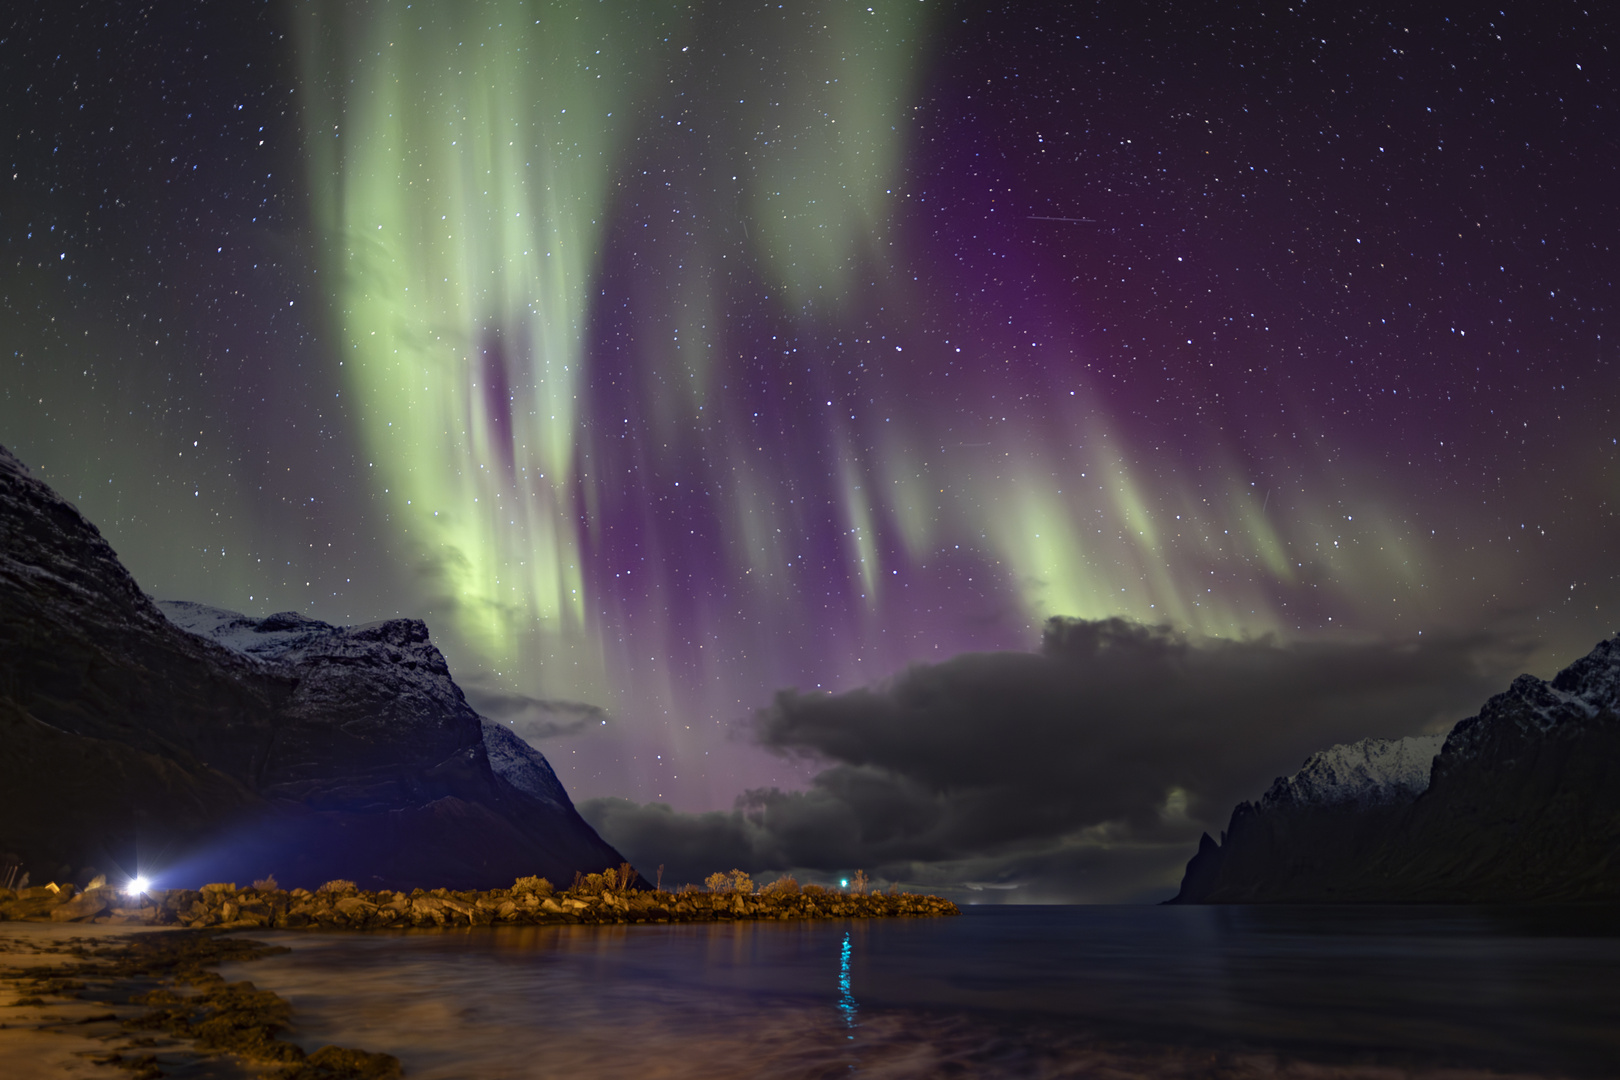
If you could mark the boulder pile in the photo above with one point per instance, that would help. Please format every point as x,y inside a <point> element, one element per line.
<point>341,905</point>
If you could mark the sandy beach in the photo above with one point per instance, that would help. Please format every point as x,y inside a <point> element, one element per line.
<point>54,1035</point>
<point>81,1000</point>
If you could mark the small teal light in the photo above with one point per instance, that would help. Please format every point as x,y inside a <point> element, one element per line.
<point>843,883</point>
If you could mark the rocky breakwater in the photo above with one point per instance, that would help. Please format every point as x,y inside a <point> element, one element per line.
<point>339,905</point>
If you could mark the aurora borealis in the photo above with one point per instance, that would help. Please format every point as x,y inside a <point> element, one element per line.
<point>665,356</point>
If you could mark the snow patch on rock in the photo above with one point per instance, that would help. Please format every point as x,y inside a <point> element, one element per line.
<point>1369,772</point>
<point>400,644</point>
<point>521,765</point>
<point>1587,688</point>
<point>284,636</point>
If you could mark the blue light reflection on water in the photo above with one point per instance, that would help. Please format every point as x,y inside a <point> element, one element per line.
<point>846,995</point>
<point>1029,992</point>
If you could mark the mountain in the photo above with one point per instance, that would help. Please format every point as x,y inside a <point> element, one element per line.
<point>1372,772</point>
<point>200,744</point>
<point>1519,804</point>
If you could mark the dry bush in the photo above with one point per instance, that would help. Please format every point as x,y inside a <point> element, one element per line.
<point>267,883</point>
<point>627,874</point>
<point>735,882</point>
<point>786,885</point>
<point>594,884</point>
<point>537,886</point>
<point>815,890</point>
<point>338,885</point>
<point>859,882</point>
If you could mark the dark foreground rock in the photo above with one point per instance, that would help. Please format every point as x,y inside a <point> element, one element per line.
<point>609,897</point>
<point>212,745</point>
<point>1521,805</point>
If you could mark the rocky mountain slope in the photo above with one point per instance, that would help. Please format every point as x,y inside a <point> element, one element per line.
<point>1372,772</point>
<point>199,744</point>
<point>1521,803</point>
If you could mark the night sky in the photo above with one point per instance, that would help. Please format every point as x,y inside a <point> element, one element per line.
<point>668,357</point>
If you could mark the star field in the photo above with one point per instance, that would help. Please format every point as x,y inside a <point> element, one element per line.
<point>662,356</point>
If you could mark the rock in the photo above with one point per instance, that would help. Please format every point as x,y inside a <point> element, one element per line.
<point>354,909</point>
<point>451,906</point>
<point>84,906</point>
<point>427,908</point>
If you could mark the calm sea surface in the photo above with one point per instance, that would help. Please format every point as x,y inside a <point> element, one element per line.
<point>1001,991</point>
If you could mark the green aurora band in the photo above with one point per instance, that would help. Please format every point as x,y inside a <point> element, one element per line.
<point>465,160</point>
<point>461,164</point>
<point>462,182</point>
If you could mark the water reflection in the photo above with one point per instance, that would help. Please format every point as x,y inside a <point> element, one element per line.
<point>846,996</point>
<point>1038,993</point>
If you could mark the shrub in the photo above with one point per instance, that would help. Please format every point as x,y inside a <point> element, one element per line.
<point>786,885</point>
<point>626,874</point>
<point>338,885</point>
<point>734,882</point>
<point>859,881</point>
<point>815,890</point>
<point>537,886</point>
<point>267,883</point>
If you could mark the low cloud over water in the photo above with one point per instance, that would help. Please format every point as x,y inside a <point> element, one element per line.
<point>1084,771</point>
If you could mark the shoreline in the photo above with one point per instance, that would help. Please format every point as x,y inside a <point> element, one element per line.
<point>97,983</point>
<point>340,905</point>
<point>46,1035</point>
<point>78,1001</point>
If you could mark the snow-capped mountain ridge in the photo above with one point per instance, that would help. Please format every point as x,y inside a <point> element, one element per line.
<point>1521,805</point>
<point>1369,772</point>
<point>521,765</point>
<point>400,648</point>
<point>288,637</point>
<point>1585,689</point>
<point>246,745</point>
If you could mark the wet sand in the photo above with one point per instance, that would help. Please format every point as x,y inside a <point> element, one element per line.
<point>89,1001</point>
<point>45,1035</point>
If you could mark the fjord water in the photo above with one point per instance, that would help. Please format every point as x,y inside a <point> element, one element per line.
<point>1001,991</point>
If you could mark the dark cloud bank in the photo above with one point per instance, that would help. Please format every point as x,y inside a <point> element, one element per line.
<point>1083,773</point>
<point>531,718</point>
